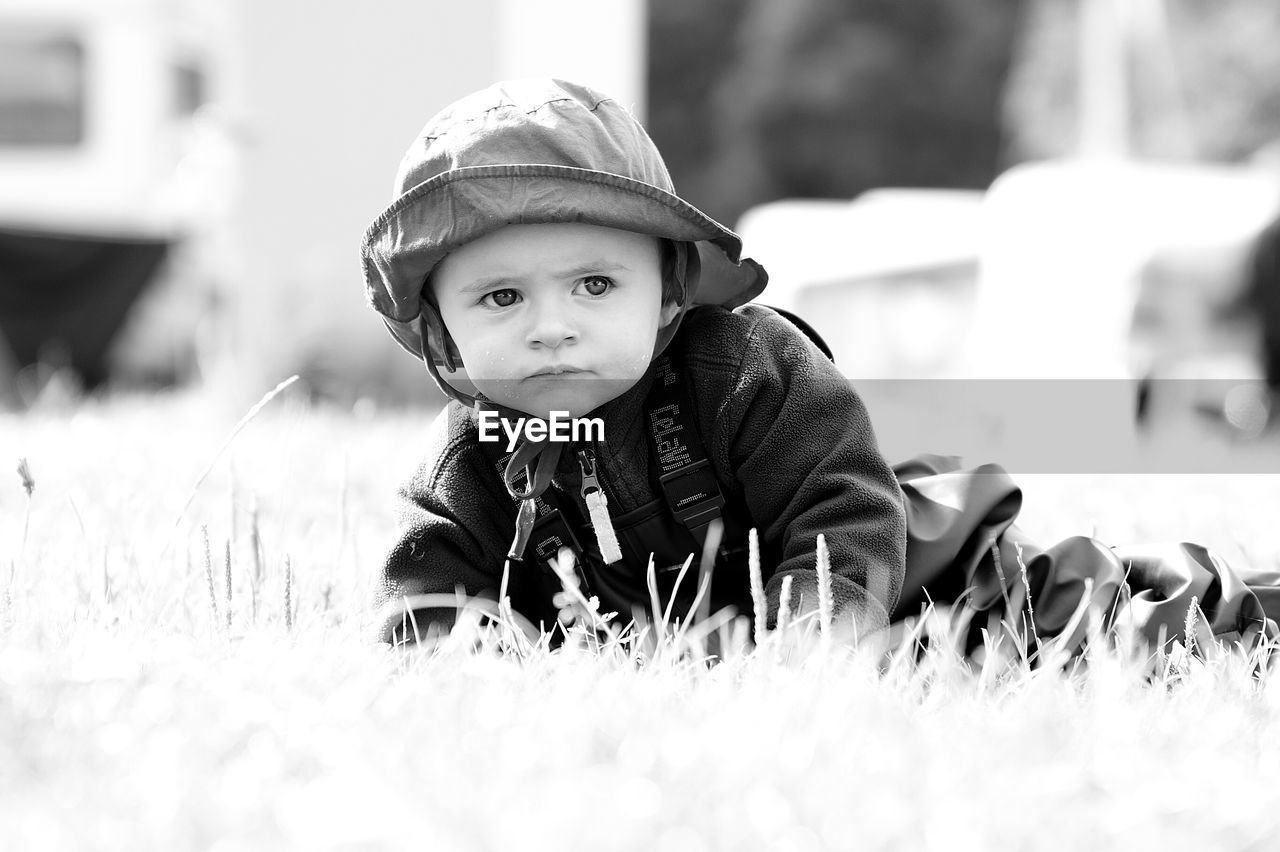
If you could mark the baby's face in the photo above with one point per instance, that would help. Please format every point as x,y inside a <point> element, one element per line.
<point>559,317</point>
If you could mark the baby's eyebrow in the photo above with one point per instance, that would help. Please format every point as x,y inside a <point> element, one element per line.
<point>502,280</point>
<point>594,267</point>
<point>492,282</point>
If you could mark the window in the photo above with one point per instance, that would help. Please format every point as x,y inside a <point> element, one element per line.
<point>189,88</point>
<point>42,89</point>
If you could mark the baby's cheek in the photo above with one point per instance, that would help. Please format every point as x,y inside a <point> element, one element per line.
<point>490,364</point>
<point>628,342</point>
<point>623,364</point>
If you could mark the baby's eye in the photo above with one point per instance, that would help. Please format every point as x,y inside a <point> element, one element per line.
<point>501,298</point>
<point>597,285</point>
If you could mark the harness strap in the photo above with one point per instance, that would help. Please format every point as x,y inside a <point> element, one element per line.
<point>688,481</point>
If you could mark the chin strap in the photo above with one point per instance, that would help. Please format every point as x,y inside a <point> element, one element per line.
<point>527,476</point>
<point>427,321</point>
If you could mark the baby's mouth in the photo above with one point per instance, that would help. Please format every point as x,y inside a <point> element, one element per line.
<point>556,372</point>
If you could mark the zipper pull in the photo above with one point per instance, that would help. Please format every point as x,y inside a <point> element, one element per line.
<point>525,518</point>
<point>587,461</point>
<point>597,508</point>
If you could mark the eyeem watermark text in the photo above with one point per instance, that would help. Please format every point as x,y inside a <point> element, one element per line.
<point>559,427</point>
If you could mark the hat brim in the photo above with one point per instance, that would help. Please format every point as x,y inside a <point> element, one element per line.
<point>437,216</point>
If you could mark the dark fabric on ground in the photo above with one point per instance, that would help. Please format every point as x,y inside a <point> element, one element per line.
<point>961,535</point>
<point>70,291</point>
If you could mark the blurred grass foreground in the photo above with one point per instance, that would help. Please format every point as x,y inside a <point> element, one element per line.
<point>149,700</point>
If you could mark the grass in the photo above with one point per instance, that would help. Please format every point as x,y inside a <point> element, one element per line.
<point>153,697</point>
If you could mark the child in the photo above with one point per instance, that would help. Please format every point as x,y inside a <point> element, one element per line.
<point>538,261</point>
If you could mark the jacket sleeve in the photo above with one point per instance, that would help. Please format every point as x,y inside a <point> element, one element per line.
<point>797,441</point>
<point>453,516</point>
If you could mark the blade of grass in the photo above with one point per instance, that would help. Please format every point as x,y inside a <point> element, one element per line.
<point>758,601</point>
<point>651,581</point>
<point>256,552</point>
<point>226,573</point>
<point>208,576</point>
<point>666,613</point>
<point>824,589</point>
<point>288,593</point>
<point>784,606</point>
<point>710,546</point>
<point>1026,581</point>
<point>700,609</point>
<point>236,430</point>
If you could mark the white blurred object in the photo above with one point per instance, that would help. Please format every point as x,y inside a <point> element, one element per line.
<point>1063,243</point>
<point>885,279</point>
<point>803,241</point>
<point>97,99</point>
<point>1117,40</point>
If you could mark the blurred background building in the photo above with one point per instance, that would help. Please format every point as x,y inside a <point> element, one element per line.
<point>1009,188</point>
<point>184,183</point>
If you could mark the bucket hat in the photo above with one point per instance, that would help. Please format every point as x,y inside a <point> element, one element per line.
<point>532,152</point>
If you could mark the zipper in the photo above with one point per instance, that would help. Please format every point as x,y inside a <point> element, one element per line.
<point>590,482</point>
<point>597,502</point>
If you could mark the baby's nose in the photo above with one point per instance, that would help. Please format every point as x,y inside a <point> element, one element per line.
<point>551,327</point>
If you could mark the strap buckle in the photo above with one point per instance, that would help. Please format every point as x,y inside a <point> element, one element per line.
<point>550,533</point>
<point>693,494</point>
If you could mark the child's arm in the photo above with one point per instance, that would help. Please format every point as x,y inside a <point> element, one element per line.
<point>453,517</point>
<point>796,437</point>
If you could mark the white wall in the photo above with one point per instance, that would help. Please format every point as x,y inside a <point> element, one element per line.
<point>600,43</point>
<point>325,99</point>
